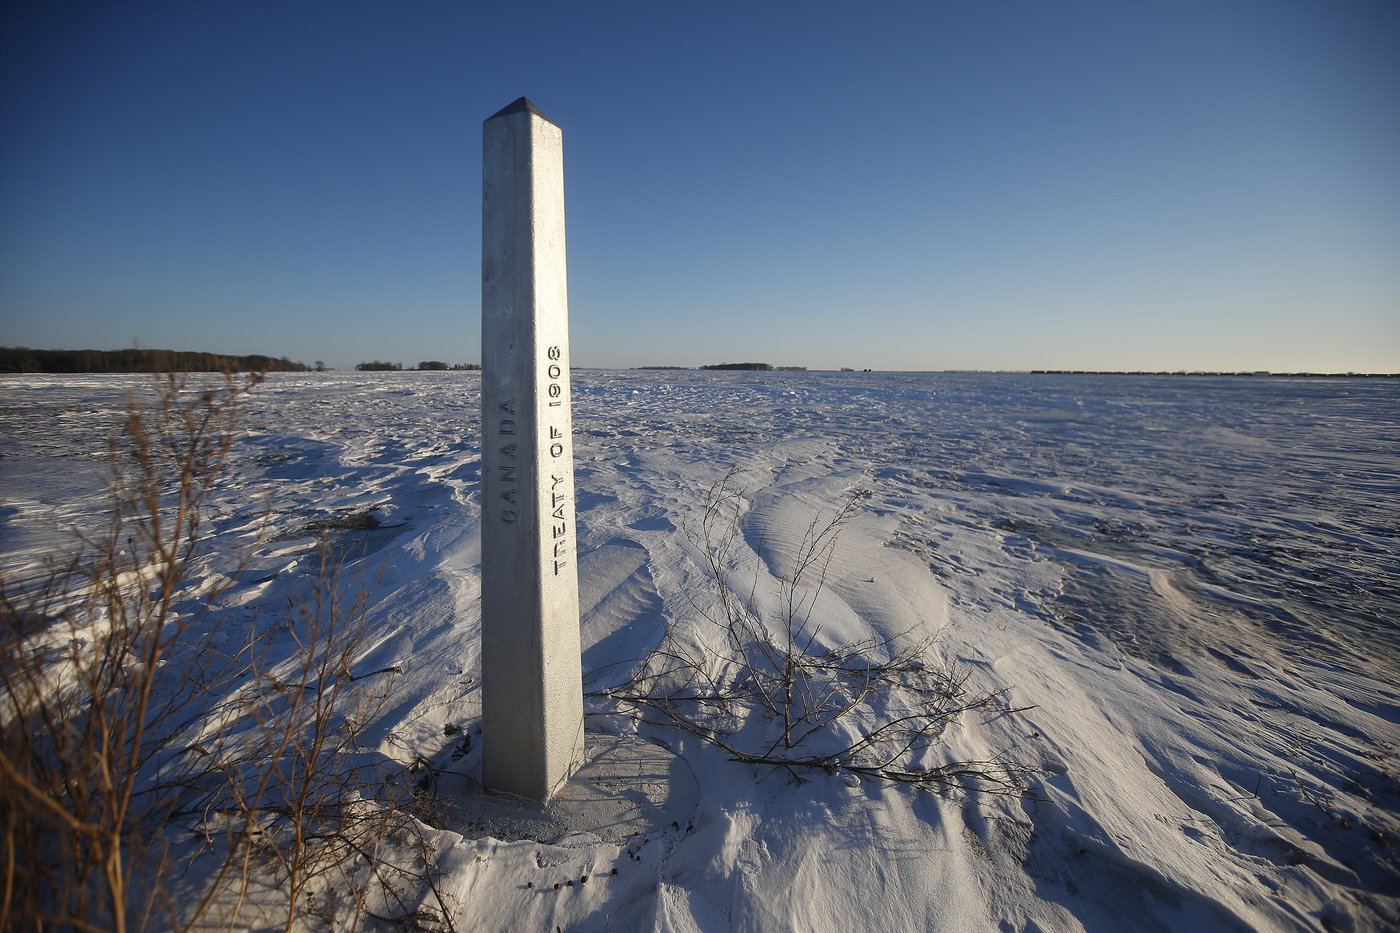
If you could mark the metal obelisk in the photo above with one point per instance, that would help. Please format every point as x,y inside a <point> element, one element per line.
<point>531,678</point>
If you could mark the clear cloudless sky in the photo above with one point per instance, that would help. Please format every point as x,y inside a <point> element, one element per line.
<point>1012,184</point>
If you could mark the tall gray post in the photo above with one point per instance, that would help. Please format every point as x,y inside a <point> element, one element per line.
<point>531,673</point>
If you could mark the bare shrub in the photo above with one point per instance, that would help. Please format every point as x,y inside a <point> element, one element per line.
<point>87,701</point>
<point>878,707</point>
<point>150,777</point>
<point>332,833</point>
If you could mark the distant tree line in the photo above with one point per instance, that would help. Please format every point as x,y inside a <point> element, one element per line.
<point>138,360</point>
<point>1210,372</point>
<point>429,365</point>
<point>758,367</point>
<point>379,366</point>
<point>764,367</point>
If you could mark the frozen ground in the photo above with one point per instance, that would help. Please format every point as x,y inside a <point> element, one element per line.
<point>1193,582</point>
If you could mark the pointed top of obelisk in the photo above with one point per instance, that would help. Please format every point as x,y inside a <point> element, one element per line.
<point>520,105</point>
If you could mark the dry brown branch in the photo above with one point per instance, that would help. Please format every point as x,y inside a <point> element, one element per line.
<point>86,695</point>
<point>149,778</point>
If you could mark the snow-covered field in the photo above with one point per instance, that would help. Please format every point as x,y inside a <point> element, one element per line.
<point>1192,582</point>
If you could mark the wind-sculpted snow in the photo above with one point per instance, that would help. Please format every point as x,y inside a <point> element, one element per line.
<point>1191,582</point>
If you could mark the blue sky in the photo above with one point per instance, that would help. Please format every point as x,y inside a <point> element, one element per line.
<point>998,185</point>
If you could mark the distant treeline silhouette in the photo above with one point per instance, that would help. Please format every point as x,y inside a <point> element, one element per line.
<point>762,367</point>
<point>137,360</point>
<point>379,366</point>
<point>1210,372</point>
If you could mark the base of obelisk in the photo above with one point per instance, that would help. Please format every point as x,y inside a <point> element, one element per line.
<point>626,787</point>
